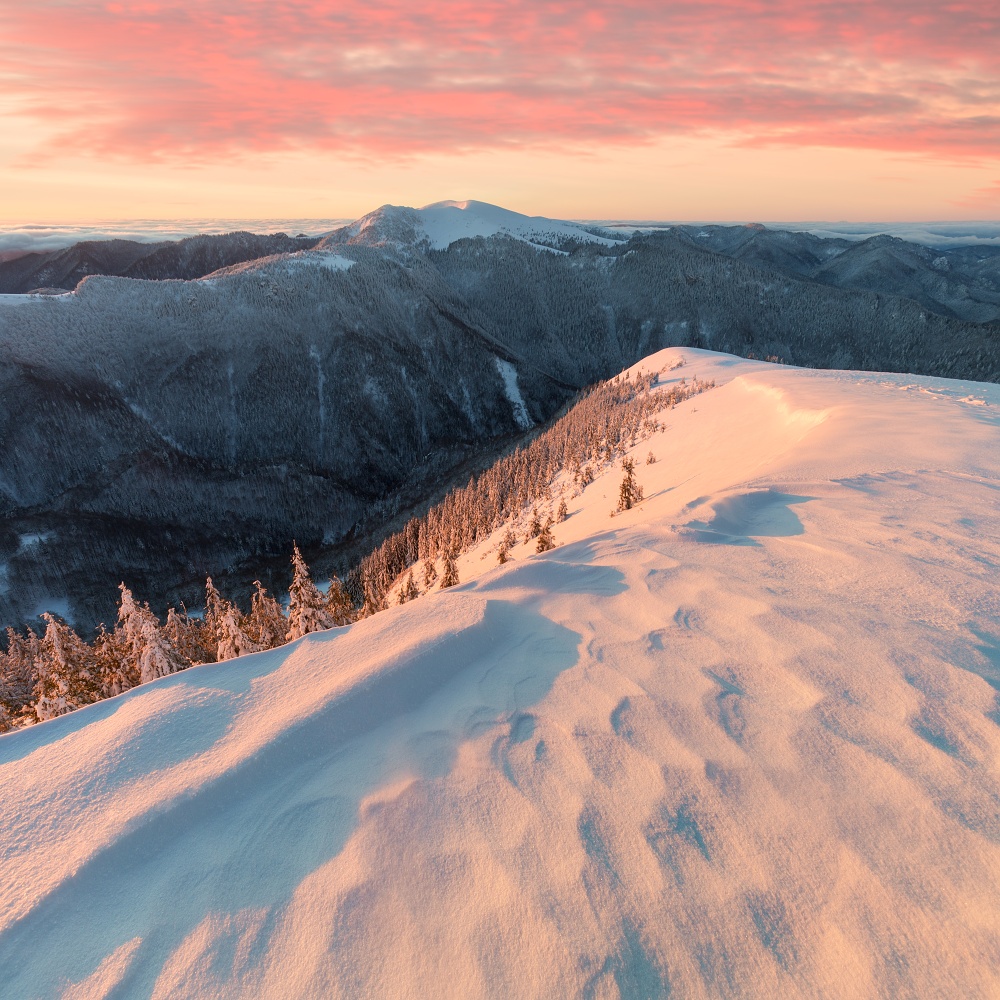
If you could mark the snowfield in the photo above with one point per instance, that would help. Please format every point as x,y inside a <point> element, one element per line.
<point>439,225</point>
<point>742,740</point>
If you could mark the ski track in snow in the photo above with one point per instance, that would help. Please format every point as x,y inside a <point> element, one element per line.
<point>739,741</point>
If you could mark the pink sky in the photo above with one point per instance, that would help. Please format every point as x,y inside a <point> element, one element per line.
<point>715,109</point>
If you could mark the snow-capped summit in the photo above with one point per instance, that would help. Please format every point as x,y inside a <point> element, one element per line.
<point>437,226</point>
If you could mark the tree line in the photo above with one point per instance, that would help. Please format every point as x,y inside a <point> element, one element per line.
<point>44,676</point>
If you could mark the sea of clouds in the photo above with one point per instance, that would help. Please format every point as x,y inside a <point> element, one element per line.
<point>39,238</point>
<point>933,234</point>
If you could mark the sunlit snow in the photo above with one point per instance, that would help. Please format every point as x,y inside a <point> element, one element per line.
<point>741,740</point>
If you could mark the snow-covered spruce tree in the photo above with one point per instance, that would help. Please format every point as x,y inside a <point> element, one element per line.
<point>234,634</point>
<point>449,569</point>
<point>408,589</point>
<point>188,636</point>
<point>215,608</point>
<point>266,625</point>
<point>148,653</point>
<point>306,606</point>
<point>67,672</point>
<point>226,628</point>
<point>563,512</point>
<point>430,573</point>
<point>338,602</point>
<point>630,492</point>
<point>18,676</point>
<point>534,526</point>
<point>112,660</point>
<point>545,539</point>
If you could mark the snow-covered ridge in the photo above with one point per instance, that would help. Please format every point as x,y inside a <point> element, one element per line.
<point>439,225</point>
<point>740,740</point>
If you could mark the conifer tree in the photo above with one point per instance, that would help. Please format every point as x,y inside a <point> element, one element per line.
<point>188,636</point>
<point>215,608</point>
<point>18,676</point>
<point>545,539</point>
<point>430,573</point>
<point>338,602</point>
<point>408,589</point>
<point>563,512</point>
<point>67,674</point>
<point>148,654</point>
<point>111,660</point>
<point>234,637</point>
<point>306,607</point>
<point>266,625</point>
<point>535,525</point>
<point>449,570</point>
<point>630,492</point>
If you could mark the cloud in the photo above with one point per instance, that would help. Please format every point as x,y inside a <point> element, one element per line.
<point>201,79</point>
<point>984,198</point>
<point>38,239</point>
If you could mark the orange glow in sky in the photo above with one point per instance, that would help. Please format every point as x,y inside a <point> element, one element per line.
<point>715,109</point>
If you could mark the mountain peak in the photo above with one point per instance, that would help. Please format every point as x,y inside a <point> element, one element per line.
<point>438,225</point>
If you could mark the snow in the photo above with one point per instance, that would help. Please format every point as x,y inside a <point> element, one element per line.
<point>740,740</point>
<point>441,224</point>
<point>513,393</point>
<point>9,299</point>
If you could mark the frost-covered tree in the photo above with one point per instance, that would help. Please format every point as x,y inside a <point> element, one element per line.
<point>18,675</point>
<point>338,602</point>
<point>148,653</point>
<point>67,672</point>
<point>189,637</point>
<point>449,569</point>
<point>306,606</point>
<point>215,608</point>
<point>534,526</point>
<point>630,492</point>
<point>234,634</point>
<point>430,573</point>
<point>408,589</point>
<point>545,539</point>
<point>266,625</point>
<point>112,662</point>
<point>563,511</point>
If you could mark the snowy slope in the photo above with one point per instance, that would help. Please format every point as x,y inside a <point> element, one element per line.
<point>740,741</point>
<point>439,225</point>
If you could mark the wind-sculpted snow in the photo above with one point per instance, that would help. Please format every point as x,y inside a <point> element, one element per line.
<point>637,765</point>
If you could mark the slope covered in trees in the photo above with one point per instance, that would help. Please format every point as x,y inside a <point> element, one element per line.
<point>165,431</point>
<point>44,677</point>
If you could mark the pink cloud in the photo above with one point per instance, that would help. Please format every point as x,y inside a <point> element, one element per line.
<point>191,80</point>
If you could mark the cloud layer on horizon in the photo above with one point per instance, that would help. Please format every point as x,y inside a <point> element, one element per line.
<point>186,81</point>
<point>37,239</point>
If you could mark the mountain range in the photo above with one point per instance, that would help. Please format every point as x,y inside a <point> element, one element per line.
<point>190,408</point>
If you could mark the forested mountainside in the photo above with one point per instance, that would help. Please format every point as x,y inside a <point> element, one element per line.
<point>962,281</point>
<point>190,258</point>
<point>156,432</point>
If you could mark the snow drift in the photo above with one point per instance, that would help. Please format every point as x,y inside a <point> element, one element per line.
<point>740,740</point>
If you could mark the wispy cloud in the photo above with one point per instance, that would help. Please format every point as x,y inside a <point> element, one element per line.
<point>204,78</point>
<point>986,198</point>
